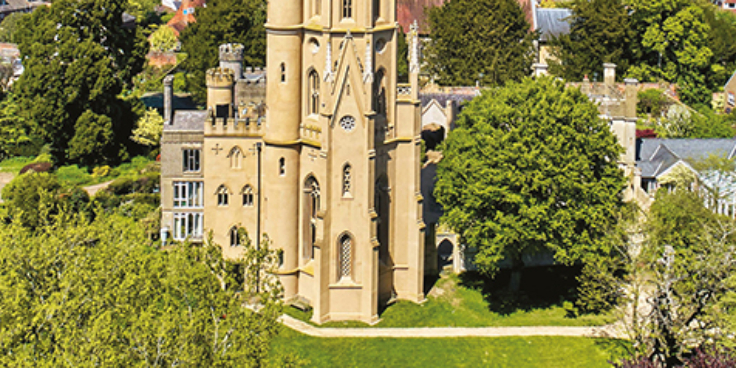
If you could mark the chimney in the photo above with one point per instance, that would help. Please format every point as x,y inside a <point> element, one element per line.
<point>609,74</point>
<point>539,69</point>
<point>631,97</point>
<point>168,99</point>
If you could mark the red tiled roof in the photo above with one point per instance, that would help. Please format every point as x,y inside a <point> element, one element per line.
<point>181,20</point>
<point>407,11</point>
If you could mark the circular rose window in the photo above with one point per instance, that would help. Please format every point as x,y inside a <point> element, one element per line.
<point>348,123</point>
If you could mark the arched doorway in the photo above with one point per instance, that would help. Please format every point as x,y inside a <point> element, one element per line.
<point>445,253</point>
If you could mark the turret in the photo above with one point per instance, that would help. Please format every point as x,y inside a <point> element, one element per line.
<point>220,91</point>
<point>231,57</point>
<point>168,99</point>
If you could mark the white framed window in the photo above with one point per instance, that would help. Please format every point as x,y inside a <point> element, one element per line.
<point>223,196</point>
<point>190,160</point>
<point>236,158</point>
<point>188,194</point>
<point>188,225</point>
<point>234,237</point>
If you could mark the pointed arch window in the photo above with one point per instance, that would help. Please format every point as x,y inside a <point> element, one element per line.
<point>223,196</point>
<point>248,196</point>
<point>283,72</point>
<point>236,158</point>
<point>313,92</point>
<point>234,237</point>
<point>347,180</point>
<point>346,257</point>
<point>347,8</point>
<point>312,207</point>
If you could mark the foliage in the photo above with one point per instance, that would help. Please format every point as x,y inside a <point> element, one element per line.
<point>720,40</point>
<point>28,196</point>
<point>479,40</point>
<point>75,68</point>
<point>73,175</point>
<point>9,27</point>
<point>94,293</point>
<point>651,102</point>
<point>163,39</point>
<point>531,168</point>
<point>222,21</point>
<point>141,9</point>
<point>402,55</point>
<point>101,171</point>
<point>149,128</point>
<point>14,130</point>
<point>689,264</point>
<point>701,359</point>
<point>599,33</point>
<point>672,45</point>
<point>677,123</point>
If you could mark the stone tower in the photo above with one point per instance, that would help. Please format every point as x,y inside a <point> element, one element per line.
<point>328,167</point>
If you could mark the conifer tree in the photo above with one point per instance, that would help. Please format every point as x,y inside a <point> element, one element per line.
<point>479,40</point>
<point>78,58</point>
<point>599,33</point>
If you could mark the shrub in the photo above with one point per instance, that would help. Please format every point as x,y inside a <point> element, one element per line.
<point>101,171</point>
<point>651,102</point>
<point>30,196</point>
<point>73,175</point>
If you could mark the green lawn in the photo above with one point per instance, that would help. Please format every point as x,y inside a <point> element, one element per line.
<point>14,164</point>
<point>469,302</point>
<point>513,352</point>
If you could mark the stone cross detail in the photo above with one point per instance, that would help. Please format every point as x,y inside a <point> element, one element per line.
<point>217,149</point>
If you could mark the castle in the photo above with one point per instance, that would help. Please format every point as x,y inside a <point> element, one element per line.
<point>325,159</point>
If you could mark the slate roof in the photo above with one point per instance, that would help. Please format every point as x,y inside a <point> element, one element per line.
<point>442,97</point>
<point>188,121</point>
<point>552,22</point>
<point>12,6</point>
<point>656,156</point>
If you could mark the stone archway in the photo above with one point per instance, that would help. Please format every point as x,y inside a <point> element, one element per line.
<point>433,135</point>
<point>445,252</point>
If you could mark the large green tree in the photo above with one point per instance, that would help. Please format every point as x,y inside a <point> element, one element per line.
<point>479,40</point>
<point>599,33</point>
<point>531,168</point>
<point>672,45</point>
<point>86,293</point>
<point>223,21</point>
<point>78,58</point>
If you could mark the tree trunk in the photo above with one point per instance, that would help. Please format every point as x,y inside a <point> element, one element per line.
<point>517,264</point>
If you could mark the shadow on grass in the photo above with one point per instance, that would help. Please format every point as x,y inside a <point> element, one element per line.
<point>541,287</point>
<point>616,349</point>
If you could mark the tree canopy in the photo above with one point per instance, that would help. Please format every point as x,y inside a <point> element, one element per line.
<point>78,58</point>
<point>599,33</point>
<point>81,292</point>
<point>223,21</point>
<point>531,167</point>
<point>479,40</point>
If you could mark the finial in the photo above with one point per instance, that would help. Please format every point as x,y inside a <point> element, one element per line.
<point>348,35</point>
<point>368,72</point>
<point>414,49</point>
<point>328,63</point>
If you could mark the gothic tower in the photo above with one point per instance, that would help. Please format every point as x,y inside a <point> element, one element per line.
<point>331,172</point>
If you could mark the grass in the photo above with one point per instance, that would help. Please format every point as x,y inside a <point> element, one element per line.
<point>517,352</point>
<point>73,175</point>
<point>14,164</point>
<point>472,301</point>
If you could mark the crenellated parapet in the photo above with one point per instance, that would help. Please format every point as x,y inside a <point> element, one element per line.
<point>240,126</point>
<point>220,78</point>
<point>231,52</point>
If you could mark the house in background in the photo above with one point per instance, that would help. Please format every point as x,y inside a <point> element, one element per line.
<point>184,15</point>
<point>8,7</point>
<point>729,5</point>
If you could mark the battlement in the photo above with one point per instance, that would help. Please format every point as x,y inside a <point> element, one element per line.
<point>231,52</point>
<point>220,77</point>
<point>235,126</point>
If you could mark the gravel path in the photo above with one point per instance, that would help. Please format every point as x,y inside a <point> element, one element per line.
<point>92,189</point>
<point>609,331</point>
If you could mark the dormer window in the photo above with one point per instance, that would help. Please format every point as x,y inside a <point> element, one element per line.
<point>347,8</point>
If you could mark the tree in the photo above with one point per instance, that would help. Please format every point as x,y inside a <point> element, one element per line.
<point>163,39</point>
<point>720,40</point>
<point>531,167</point>
<point>95,293</point>
<point>479,40</point>
<point>9,27</point>
<point>223,21</point>
<point>599,33</point>
<point>30,197</point>
<point>672,45</point>
<point>13,129</point>
<point>149,128</point>
<point>78,58</point>
<point>686,271</point>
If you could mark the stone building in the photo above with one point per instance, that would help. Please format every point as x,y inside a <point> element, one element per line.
<point>325,159</point>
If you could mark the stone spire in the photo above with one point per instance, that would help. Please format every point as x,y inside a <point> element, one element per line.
<point>368,72</point>
<point>414,48</point>
<point>329,74</point>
